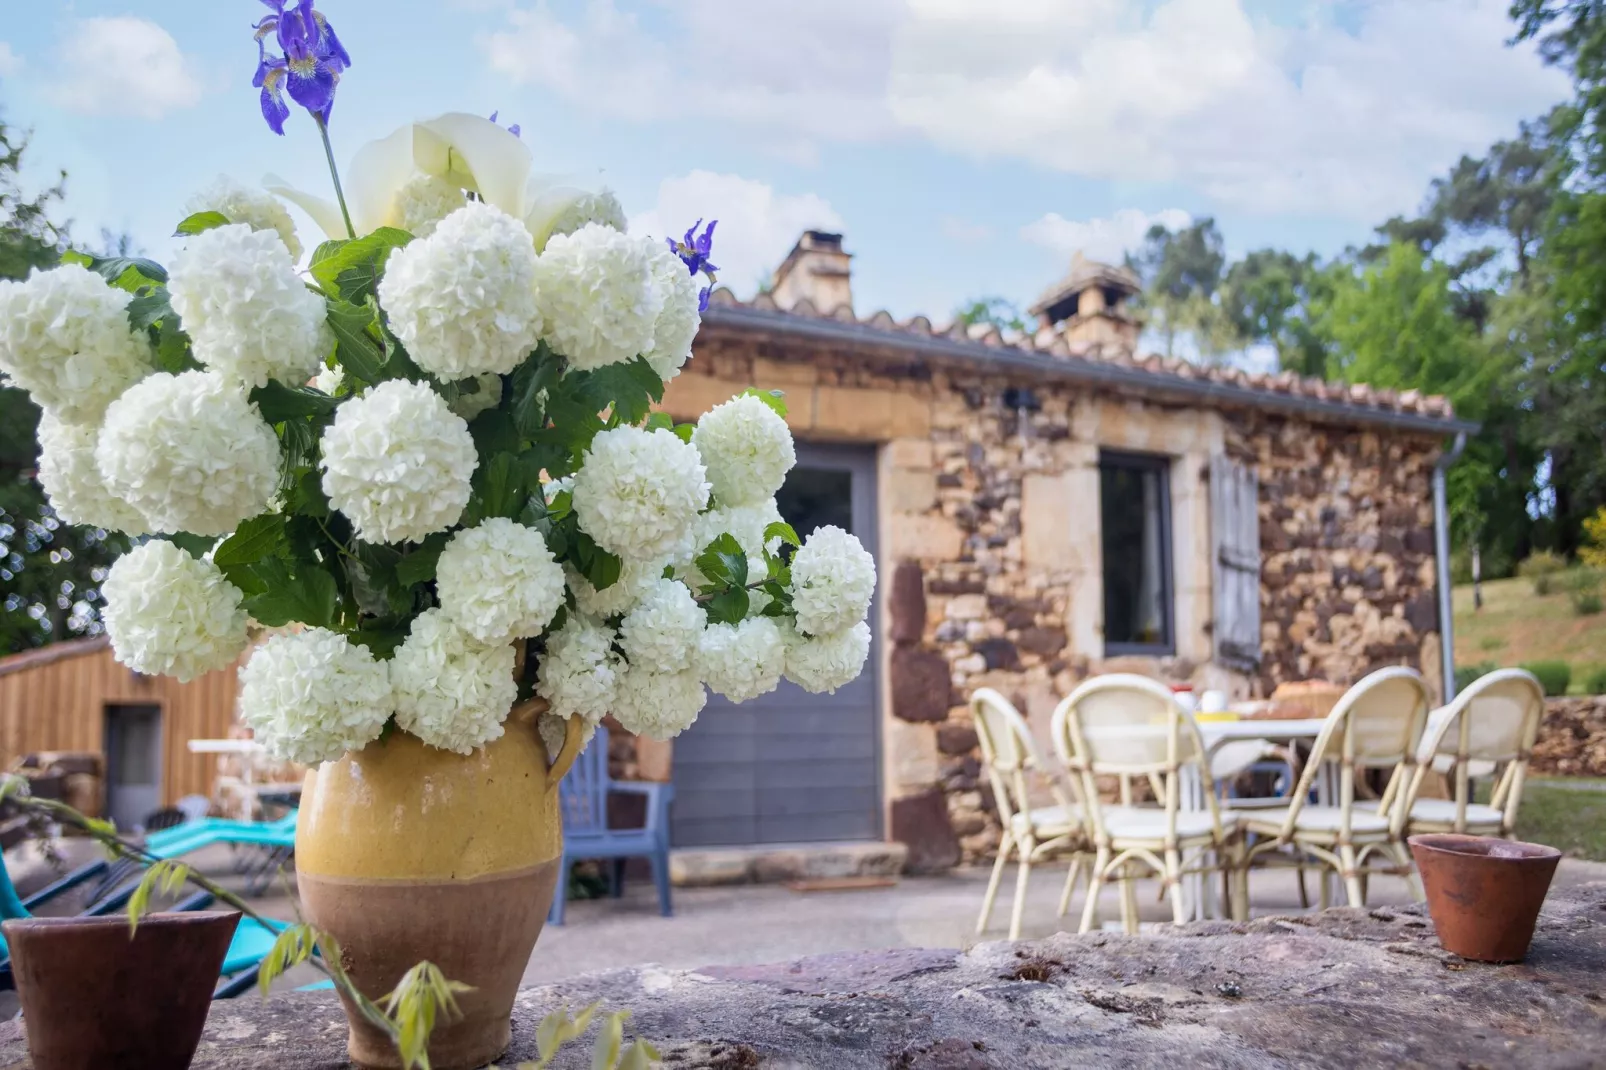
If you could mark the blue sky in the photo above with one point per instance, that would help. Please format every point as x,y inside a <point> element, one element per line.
<point>965,147</point>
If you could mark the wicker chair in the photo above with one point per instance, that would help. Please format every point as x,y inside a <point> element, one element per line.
<point>1129,726</point>
<point>1378,724</point>
<point>1031,834</point>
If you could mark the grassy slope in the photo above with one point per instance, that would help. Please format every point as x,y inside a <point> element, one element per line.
<point>1515,625</point>
<point>1569,815</point>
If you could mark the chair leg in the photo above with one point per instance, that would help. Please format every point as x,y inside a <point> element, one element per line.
<point>1304,894</point>
<point>1402,858</point>
<point>1173,879</point>
<point>1351,875</point>
<point>1095,884</point>
<point>554,916</point>
<point>1129,899</point>
<point>616,878</point>
<point>1022,874</point>
<point>1070,885</point>
<point>991,897</point>
<point>1240,890</point>
<point>660,877</point>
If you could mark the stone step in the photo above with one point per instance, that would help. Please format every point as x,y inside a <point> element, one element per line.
<point>776,862</point>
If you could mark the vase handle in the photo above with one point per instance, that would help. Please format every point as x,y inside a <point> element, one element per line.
<point>573,743</point>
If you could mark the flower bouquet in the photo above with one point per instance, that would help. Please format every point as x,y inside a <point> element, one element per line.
<point>426,460</point>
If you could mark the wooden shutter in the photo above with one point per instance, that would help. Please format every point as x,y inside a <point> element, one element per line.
<point>1235,531</point>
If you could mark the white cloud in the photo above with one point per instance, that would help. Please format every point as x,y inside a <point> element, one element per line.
<point>757,225</point>
<point>1106,238</point>
<point>10,62</point>
<point>123,65</point>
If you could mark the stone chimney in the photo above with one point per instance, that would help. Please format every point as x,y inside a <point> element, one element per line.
<point>1090,305</point>
<point>816,271</point>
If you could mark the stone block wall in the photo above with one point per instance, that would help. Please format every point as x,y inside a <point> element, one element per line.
<point>1572,739</point>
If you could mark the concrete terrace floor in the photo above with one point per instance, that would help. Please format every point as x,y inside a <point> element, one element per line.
<point>747,924</point>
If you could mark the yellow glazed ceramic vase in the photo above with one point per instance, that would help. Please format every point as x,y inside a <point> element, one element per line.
<point>406,853</point>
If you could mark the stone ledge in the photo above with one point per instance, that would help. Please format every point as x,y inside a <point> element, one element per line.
<point>702,867</point>
<point>1349,988</point>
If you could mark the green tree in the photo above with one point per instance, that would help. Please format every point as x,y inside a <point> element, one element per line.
<point>1182,273</point>
<point>997,311</point>
<point>1271,297</point>
<point>50,572</point>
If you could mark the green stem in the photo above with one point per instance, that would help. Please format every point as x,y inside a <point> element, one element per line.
<point>755,585</point>
<point>334,173</point>
<point>338,544</point>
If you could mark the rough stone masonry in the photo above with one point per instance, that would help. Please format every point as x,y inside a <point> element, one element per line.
<point>1347,988</point>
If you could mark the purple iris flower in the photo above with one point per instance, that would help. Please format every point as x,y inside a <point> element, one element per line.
<point>694,252</point>
<point>310,68</point>
<point>513,128</point>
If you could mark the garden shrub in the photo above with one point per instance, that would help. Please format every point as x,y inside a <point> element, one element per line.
<point>1554,676</point>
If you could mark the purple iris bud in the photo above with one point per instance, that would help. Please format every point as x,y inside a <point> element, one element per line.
<point>513,128</point>
<point>310,68</point>
<point>694,252</point>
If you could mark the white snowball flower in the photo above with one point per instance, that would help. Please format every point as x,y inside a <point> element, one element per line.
<point>498,581</point>
<point>256,208</point>
<point>551,207</point>
<point>170,614</point>
<point>635,580</point>
<point>463,300</point>
<point>397,462</point>
<point>639,492</point>
<point>451,690</point>
<point>65,338</point>
<point>747,448</point>
<point>746,524</point>
<point>658,705</point>
<point>833,578</point>
<point>423,201</point>
<point>596,288</point>
<point>487,395</point>
<point>330,380</point>
<point>679,314</point>
<point>661,633</point>
<point>826,662</point>
<point>311,696</point>
<point>76,488</point>
<point>601,208</point>
<point>247,312</point>
<point>579,672</point>
<point>189,452</point>
<point>742,661</point>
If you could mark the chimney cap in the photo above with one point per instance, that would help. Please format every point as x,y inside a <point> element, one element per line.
<point>1084,274</point>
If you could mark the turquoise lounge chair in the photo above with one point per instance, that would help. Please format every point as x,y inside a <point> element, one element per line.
<point>276,840</point>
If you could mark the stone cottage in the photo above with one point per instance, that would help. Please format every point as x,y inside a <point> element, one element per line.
<point>1041,508</point>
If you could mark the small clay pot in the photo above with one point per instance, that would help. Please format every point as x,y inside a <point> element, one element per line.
<point>93,997</point>
<point>1484,893</point>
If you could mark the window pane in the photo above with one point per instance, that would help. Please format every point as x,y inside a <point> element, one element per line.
<point>815,497</point>
<point>1135,546</point>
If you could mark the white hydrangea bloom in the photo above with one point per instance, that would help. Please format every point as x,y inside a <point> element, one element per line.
<point>635,580</point>
<point>554,730</point>
<point>825,662</point>
<point>498,581</point>
<point>742,661</point>
<point>660,634</point>
<point>311,696</point>
<point>601,208</point>
<point>423,201</point>
<point>463,300</point>
<point>833,578</point>
<point>330,380</point>
<point>247,312</point>
<point>189,452</point>
<point>579,672</point>
<point>639,492</point>
<point>397,462</point>
<point>747,448</point>
<point>76,488</point>
<point>256,208</point>
<point>170,614</point>
<point>487,395</point>
<point>678,314</point>
<point>746,524</point>
<point>597,291</point>
<point>451,690</point>
<point>65,338</point>
<point>554,208</point>
<point>658,705</point>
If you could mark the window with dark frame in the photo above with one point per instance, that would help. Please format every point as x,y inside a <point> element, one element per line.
<point>1135,515</point>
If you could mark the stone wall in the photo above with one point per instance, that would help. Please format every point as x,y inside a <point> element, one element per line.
<point>1572,739</point>
<point>990,549</point>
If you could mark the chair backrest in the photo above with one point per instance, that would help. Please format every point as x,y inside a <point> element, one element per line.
<point>1011,755</point>
<point>1495,720</point>
<point>1125,725</point>
<point>1378,724</point>
<point>195,807</point>
<point>583,792</point>
<point>165,818</point>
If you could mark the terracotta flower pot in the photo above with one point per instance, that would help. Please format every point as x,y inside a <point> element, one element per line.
<point>1484,894</point>
<point>406,853</point>
<point>94,998</point>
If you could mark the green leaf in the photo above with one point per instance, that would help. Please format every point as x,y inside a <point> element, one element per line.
<point>539,373</point>
<point>293,946</point>
<point>728,606</point>
<point>381,641</point>
<point>332,258</point>
<point>419,565</point>
<point>723,562</point>
<point>127,272</point>
<point>279,403</point>
<point>148,309</point>
<point>780,529</point>
<point>604,570</point>
<point>684,431</point>
<point>639,1056</point>
<point>358,283</point>
<point>359,354</point>
<point>775,399</point>
<point>200,221</point>
<point>494,433</point>
<point>306,495</point>
<point>605,1051</point>
<point>630,387</point>
<point>173,347</point>
<point>194,545</point>
<point>253,540</point>
<point>659,421</point>
<point>498,490</point>
<point>309,595</point>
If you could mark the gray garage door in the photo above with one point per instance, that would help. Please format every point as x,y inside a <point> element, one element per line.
<point>791,767</point>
